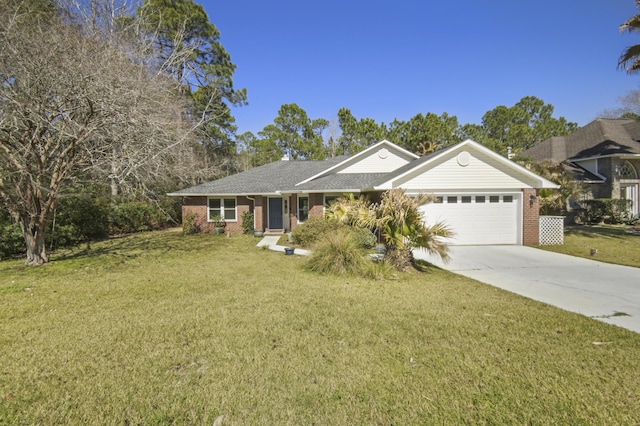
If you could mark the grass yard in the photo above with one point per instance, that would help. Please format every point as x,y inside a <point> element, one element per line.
<point>615,244</point>
<point>161,328</point>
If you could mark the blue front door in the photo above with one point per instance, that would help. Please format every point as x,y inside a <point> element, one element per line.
<point>275,213</point>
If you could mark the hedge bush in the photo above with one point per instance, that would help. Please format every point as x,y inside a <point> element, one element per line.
<point>135,216</point>
<point>79,218</point>
<point>607,210</point>
<point>82,217</point>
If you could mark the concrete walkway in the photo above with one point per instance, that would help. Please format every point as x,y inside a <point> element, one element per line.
<point>271,242</point>
<point>606,292</point>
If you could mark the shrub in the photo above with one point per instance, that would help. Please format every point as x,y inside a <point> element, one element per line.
<point>247,222</point>
<point>81,217</point>
<point>312,230</point>
<point>11,239</point>
<point>364,237</point>
<point>606,210</point>
<point>338,253</point>
<point>136,216</point>
<point>189,225</point>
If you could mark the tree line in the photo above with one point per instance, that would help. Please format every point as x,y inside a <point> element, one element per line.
<point>294,134</point>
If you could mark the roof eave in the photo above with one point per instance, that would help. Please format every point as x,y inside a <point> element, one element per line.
<point>223,194</point>
<point>595,157</point>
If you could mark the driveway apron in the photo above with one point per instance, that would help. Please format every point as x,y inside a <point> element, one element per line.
<point>602,291</point>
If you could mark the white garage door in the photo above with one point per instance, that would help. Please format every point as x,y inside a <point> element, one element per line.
<point>478,218</point>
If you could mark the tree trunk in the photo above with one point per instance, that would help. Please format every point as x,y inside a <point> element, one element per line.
<point>34,240</point>
<point>400,257</point>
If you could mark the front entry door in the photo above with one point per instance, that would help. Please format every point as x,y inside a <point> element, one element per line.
<point>275,213</point>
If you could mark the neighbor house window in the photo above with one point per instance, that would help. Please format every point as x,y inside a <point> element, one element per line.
<point>627,171</point>
<point>303,209</point>
<point>223,207</point>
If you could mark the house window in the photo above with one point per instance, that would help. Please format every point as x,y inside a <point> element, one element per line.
<point>452,200</point>
<point>507,199</point>
<point>439,200</point>
<point>480,198</point>
<point>494,198</point>
<point>627,171</point>
<point>223,207</point>
<point>328,199</point>
<point>303,209</point>
<point>466,199</point>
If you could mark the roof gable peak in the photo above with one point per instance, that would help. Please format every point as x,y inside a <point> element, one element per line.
<point>383,144</point>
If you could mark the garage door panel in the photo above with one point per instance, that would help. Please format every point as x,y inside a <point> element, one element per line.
<point>478,223</point>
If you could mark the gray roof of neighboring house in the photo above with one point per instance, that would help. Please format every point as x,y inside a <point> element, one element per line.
<point>602,137</point>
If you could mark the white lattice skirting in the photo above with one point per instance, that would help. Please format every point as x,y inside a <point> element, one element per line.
<point>551,230</point>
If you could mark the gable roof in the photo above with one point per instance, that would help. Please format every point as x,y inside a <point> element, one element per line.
<point>426,162</point>
<point>362,154</point>
<point>324,176</point>
<point>600,138</point>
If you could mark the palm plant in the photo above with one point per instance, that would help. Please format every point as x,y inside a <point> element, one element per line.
<point>630,58</point>
<point>401,222</point>
<point>349,210</point>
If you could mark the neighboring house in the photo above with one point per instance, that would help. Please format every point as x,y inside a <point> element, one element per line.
<point>604,155</point>
<point>484,197</point>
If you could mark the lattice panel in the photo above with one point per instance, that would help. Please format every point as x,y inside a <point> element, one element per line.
<point>551,230</point>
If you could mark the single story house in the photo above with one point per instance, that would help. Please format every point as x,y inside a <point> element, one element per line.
<point>484,197</point>
<point>604,155</point>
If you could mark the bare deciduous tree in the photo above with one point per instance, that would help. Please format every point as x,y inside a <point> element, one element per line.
<point>69,102</point>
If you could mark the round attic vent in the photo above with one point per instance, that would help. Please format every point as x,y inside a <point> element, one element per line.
<point>464,158</point>
<point>383,153</point>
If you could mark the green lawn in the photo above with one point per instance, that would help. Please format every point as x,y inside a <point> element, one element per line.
<point>161,328</point>
<point>615,244</point>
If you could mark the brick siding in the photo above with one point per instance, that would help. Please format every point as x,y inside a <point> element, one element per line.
<point>530,217</point>
<point>198,206</point>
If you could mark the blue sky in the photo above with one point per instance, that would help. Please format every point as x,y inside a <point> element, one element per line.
<point>395,59</point>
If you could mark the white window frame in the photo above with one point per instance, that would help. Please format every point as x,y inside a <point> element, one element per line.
<point>223,209</point>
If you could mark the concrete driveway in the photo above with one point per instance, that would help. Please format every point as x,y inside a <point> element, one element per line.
<point>595,289</point>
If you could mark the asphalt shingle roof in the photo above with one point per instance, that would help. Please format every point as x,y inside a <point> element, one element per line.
<point>343,182</point>
<point>581,174</point>
<point>602,137</point>
<point>282,176</point>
